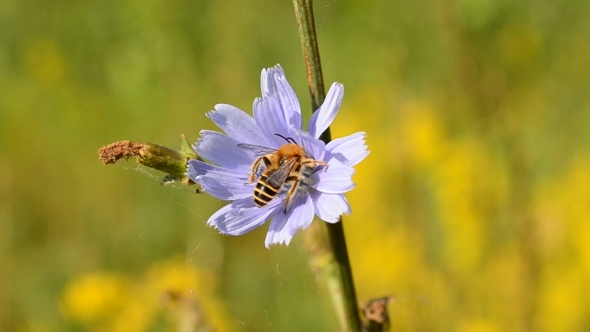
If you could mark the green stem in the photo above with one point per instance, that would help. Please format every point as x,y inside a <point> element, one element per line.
<point>337,271</point>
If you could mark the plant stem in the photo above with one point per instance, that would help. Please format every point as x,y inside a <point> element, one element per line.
<point>337,272</point>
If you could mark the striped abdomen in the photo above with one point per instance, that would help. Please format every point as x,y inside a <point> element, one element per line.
<point>264,191</point>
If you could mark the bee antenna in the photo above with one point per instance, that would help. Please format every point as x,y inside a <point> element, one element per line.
<point>288,139</point>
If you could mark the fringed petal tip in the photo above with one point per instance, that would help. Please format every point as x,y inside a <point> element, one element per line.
<point>237,124</point>
<point>274,238</point>
<point>330,207</point>
<point>274,83</point>
<point>268,81</point>
<point>323,117</point>
<point>349,150</point>
<point>239,217</point>
<point>337,179</point>
<point>284,226</point>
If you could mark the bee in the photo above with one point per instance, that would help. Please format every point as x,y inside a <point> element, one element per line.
<point>289,164</point>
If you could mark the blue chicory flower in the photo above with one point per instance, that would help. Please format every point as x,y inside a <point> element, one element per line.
<point>277,117</point>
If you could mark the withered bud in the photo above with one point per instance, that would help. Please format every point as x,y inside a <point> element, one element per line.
<point>376,314</point>
<point>151,155</point>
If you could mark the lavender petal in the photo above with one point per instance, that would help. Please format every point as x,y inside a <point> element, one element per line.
<point>323,117</point>
<point>219,182</point>
<point>349,150</point>
<point>222,150</point>
<point>279,232</point>
<point>314,147</point>
<point>271,120</point>
<point>329,207</point>
<point>267,80</point>
<point>237,124</point>
<point>285,225</point>
<point>274,83</point>
<point>337,179</point>
<point>240,217</point>
<point>303,212</point>
<point>289,101</point>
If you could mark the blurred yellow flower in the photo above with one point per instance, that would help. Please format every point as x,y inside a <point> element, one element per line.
<point>456,182</point>
<point>94,296</point>
<point>175,289</point>
<point>173,275</point>
<point>478,325</point>
<point>562,301</point>
<point>422,133</point>
<point>136,314</point>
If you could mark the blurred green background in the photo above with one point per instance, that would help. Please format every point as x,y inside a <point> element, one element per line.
<point>473,208</point>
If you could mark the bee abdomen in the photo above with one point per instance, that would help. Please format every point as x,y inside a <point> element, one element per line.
<point>264,192</point>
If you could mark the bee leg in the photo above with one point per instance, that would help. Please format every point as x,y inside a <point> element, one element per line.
<point>254,169</point>
<point>292,191</point>
<point>317,162</point>
<point>312,163</point>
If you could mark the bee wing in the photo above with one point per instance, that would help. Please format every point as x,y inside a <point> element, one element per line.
<point>257,149</point>
<point>278,177</point>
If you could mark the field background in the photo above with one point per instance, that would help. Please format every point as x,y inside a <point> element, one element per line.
<point>472,209</point>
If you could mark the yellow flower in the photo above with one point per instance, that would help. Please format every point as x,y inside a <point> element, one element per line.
<point>92,297</point>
